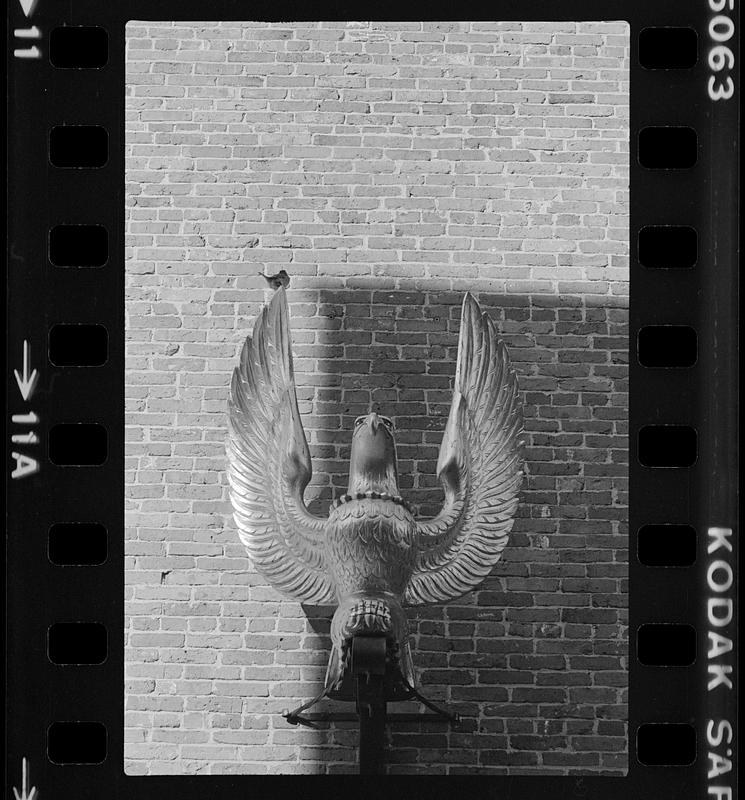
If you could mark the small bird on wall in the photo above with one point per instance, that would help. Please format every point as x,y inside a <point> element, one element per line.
<point>275,281</point>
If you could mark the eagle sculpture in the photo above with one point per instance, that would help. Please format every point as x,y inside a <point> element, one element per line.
<point>371,557</point>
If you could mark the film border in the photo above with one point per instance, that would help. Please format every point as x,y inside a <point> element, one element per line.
<point>704,396</point>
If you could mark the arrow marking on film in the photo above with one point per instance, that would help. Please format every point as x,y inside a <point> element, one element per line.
<point>28,6</point>
<point>26,382</point>
<point>25,794</point>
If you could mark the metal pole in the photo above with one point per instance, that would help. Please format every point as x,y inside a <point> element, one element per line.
<point>368,668</point>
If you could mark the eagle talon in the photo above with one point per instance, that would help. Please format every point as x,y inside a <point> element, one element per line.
<point>299,720</point>
<point>294,717</point>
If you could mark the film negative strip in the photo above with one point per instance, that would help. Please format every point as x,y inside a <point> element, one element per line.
<point>574,169</point>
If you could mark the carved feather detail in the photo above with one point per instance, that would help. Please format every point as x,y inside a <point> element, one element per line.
<point>478,466</point>
<point>269,464</point>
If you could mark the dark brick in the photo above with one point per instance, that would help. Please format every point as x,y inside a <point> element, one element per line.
<point>535,695</point>
<point>511,758</point>
<point>537,742</point>
<point>602,744</point>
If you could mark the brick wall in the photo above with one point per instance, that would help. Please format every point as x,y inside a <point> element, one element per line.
<point>388,167</point>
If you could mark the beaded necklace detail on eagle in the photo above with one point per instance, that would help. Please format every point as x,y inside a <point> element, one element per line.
<point>370,557</point>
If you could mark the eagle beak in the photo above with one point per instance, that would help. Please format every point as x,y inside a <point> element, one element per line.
<point>374,421</point>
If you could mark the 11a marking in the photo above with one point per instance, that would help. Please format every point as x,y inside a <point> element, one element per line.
<point>25,465</point>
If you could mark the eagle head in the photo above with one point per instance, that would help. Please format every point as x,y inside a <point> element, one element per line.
<point>372,464</point>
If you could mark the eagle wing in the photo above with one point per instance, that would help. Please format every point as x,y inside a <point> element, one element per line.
<point>478,466</point>
<point>269,464</point>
